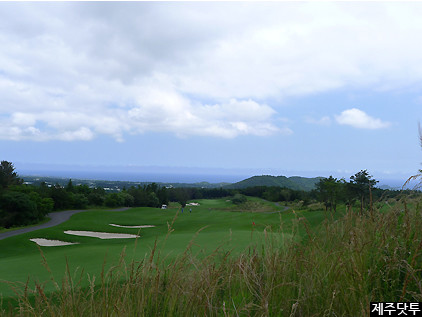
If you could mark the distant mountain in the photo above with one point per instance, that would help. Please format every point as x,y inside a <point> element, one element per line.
<point>388,187</point>
<point>294,182</point>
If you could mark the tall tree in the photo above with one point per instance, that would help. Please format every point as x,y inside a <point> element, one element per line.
<point>361,184</point>
<point>329,192</point>
<point>8,175</point>
<point>69,186</point>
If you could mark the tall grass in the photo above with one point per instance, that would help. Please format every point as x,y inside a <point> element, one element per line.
<point>336,270</point>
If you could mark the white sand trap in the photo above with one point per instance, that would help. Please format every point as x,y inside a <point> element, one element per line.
<point>50,243</point>
<point>101,235</point>
<point>192,204</point>
<point>131,227</point>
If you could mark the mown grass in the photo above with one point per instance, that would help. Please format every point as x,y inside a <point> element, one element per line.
<point>298,269</point>
<point>20,258</point>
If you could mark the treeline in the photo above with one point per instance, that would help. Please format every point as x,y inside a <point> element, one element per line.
<point>22,204</point>
<point>359,190</point>
<point>26,204</point>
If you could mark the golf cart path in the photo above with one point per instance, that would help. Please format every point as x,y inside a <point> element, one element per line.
<point>285,208</point>
<point>57,217</point>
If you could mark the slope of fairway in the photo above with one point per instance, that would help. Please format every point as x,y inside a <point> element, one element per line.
<point>21,259</point>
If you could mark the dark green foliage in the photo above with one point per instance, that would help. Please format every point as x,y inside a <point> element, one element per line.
<point>238,199</point>
<point>114,200</point>
<point>361,185</point>
<point>150,195</point>
<point>128,200</point>
<point>162,196</point>
<point>79,201</point>
<point>8,176</point>
<point>69,186</point>
<point>96,199</point>
<point>152,200</point>
<point>60,197</point>
<point>17,209</point>
<point>44,205</point>
<point>330,191</point>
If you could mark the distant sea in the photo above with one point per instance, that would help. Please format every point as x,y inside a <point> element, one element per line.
<point>140,177</point>
<point>182,174</point>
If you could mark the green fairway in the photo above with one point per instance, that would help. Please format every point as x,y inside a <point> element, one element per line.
<point>21,259</point>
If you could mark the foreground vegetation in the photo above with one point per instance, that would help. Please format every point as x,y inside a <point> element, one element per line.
<point>301,269</point>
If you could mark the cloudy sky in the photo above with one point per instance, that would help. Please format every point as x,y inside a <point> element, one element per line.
<point>289,87</point>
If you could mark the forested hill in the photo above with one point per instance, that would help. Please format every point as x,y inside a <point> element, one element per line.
<point>294,182</point>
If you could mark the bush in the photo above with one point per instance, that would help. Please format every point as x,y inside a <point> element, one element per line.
<point>114,200</point>
<point>239,199</point>
<point>128,200</point>
<point>80,201</point>
<point>17,209</point>
<point>96,199</point>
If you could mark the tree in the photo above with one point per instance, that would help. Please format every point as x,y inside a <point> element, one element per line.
<point>114,200</point>
<point>329,192</point>
<point>44,205</point>
<point>96,199</point>
<point>79,201</point>
<point>8,175</point>
<point>128,199</point>
<point>69,186</point>
<point>163,196</point>
<point>152,200</point>
<point>239,199</point>
<point>361,185</point>
<point>62,199</point>
<point>17,209</point>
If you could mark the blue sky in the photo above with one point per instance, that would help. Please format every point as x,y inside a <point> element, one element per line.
<point>291,88</point>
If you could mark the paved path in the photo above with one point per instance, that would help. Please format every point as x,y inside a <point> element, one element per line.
<point>56,218</point>
<point>285,208</point>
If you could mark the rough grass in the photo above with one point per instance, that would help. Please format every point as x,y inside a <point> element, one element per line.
<point>334,271</point>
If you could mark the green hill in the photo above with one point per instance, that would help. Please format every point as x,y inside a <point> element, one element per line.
<point>294,182</point>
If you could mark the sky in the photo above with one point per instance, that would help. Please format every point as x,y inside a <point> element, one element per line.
<point>281,88</point>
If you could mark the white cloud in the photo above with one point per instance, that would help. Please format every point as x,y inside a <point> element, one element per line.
<point>76,70</point>
<point>167,110</point>
<point>83,134</point>
<point>23,119</point>
<point>359,119</point>
<point>158,111</point>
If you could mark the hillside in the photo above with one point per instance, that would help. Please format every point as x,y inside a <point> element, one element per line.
<point>294,182</point>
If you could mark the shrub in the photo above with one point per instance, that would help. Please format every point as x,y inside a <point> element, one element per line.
<point>239,199</point>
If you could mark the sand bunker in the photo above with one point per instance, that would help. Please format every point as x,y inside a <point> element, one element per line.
<point>192,204</point>
<point>50,243</point>
<point>131,227</point>
<point>101,235</point>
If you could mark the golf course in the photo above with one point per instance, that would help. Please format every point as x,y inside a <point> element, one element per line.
<point>219,226</point>
<point>214,258</point>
